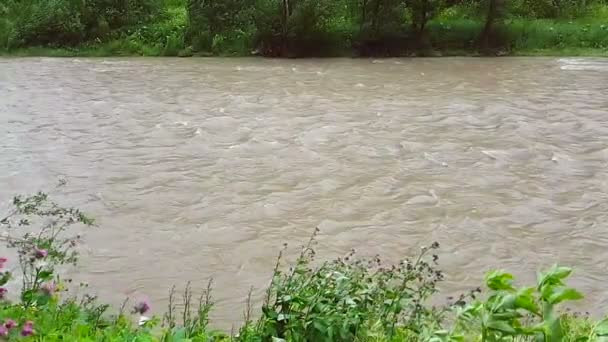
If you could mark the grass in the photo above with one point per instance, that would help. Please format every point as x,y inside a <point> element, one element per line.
<point>346,299</point>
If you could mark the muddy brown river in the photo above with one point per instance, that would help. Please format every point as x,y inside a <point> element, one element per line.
<point>198,168</point>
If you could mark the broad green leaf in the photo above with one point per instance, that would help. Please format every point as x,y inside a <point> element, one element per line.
<point>553,330</point>
<point>532,330</point>
<point>554,276</point>
<point>6,276</point>
<point>507,315</point>
<point>505,302</point>
<point>525,300</point>
<point>564,294</point>
<point>499,280</point>
<point>45,275</point>
<point>442,332</point>
<point>602,328</point>
<point>502,326</point>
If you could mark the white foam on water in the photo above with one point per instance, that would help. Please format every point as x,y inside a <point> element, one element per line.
<point>592,64</point>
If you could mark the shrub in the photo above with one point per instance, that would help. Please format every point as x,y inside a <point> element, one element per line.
<point>349,299</point>
<point>71,22</point>
<point>217,20</point>
<point>120,13</point>
<point>48,22</point>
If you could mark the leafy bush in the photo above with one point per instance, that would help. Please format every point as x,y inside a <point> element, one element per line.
<point>217,20</point>
<point>119,13</point>
<point>71,22</point>
<point>350,298</point>
<point>48,22</point>
<point>300,27</point>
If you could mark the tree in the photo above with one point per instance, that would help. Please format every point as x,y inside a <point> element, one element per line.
<point>495,10</point>
<point>422,12</point>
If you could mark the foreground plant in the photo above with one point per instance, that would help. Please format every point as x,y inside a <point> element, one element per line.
<point>39,229</point>
<point>529,313</point>
<point>347,299</point>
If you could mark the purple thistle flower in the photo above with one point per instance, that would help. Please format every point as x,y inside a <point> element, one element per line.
<point>10,324</point>
<point>49,288</point>
<point>28,329</point>
<point>40,253</point>
<point>3,292</point>
<point>142,306</point>
<point>3,331</point>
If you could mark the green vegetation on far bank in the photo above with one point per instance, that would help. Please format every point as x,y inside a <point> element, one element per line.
<point>303,28</point>
<point>347,299</point>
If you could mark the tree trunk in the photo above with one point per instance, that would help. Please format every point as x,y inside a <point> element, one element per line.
<point>363,16</point>
<point>375,25</point>
<point>419,23</point>
<point>484,39</point>
<point>284,28</point>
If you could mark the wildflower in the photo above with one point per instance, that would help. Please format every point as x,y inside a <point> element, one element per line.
<point>40,253</point>
<point>143,320</point>
<point>49,288</point>
<point>10,324</point>
<point>3,292</point>
<point>28,329</point>
<point>3,331</point>
<point>142,307</point>
<point>2,262</point>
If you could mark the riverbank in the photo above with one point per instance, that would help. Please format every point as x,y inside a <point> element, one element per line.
<point>174,30</point>
<point>111,50</point>
<point>129,47</point>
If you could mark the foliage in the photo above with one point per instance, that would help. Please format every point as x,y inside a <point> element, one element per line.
<point>211,23</point>
<point>300,28</point>
<point>72,22</point>
<point>527,311</point>
<point>350,298</point>
<point>347,299</point>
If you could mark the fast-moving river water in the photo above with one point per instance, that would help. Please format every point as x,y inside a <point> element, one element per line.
<point>198,168</point>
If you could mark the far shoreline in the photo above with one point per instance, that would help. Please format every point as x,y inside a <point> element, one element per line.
<point>99,51</point>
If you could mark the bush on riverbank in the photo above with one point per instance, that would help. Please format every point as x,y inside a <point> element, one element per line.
<point>298,28</point>
<point>347,299</point>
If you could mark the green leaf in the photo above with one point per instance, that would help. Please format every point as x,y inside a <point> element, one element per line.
<point>502,326</point>
<point>554,276</point>
<point>507,315</point>
<point>499,280</point>
<point>28,296</point>
<point>553,329</point>
<point>45,275</point>
<point>179,334</point>
<point>602,328</point>
<point>504,302</point>
<point>6,276</point>
<point>564,294</point>
<point>525,300</point>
